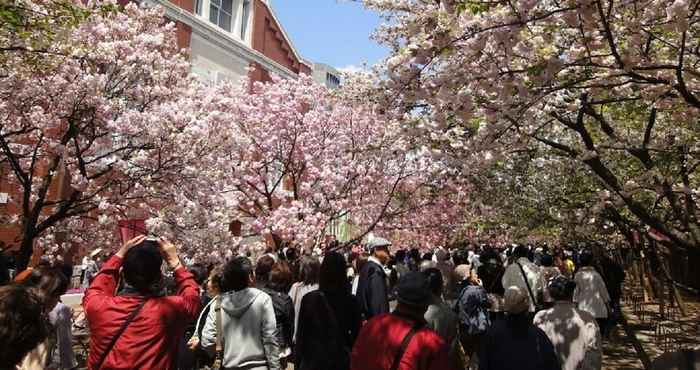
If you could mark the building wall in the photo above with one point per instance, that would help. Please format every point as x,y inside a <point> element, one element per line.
<point>213,64</point>
<point>183,35</point>
<point>326,75</point>
<point>269,39</point>
<point>214,52</point>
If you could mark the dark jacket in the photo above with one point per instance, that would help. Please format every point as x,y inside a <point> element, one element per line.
<point>372,291</point>
<point>527,346</point>
<point>284,314</point>
<point>329,323</point>
<point>613,275</point>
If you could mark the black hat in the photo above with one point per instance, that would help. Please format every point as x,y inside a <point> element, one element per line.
<point>413,289</point>
<point>561,288</point>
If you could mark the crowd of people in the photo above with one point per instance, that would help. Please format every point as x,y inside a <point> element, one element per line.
<point>346,308</point>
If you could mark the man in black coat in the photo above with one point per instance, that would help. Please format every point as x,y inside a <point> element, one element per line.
<point>372,290</point>
<point>514,342</point>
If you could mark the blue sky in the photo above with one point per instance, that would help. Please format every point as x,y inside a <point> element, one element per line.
<point>334,32</point>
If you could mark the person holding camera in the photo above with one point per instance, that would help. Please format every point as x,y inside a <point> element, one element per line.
<point>136,328</point>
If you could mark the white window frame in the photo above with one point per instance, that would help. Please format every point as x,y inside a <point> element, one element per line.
<point>238,31</point>
<point>232,15</point>
<point>244,29</point>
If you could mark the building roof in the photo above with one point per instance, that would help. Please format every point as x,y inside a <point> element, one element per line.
<point>268,4</point>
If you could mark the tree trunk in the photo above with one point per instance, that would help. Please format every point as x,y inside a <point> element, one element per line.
<point>26,249</point>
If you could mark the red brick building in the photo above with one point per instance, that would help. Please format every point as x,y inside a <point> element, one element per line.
<point>226,37</point>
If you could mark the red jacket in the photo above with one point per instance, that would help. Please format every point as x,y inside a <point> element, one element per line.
<point>151,340</point>
<point>381,337</point>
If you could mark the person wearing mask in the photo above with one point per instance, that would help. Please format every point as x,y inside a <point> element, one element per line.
<point>515,343</point>
<point>372,289</point>
<point>329,320</point>
<point>400,340</point>
<point>272,278</point>
<point>591,294</point>
<point>243,318</point>
<point>308,282</point>
<point>523,274</point>
<point>547,272</point>
<point>574,333</point>
<point>137,328</point>
<point>23,324</point>
<point>439,316</point>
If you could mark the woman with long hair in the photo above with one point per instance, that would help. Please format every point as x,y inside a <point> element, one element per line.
<point>329,320</point>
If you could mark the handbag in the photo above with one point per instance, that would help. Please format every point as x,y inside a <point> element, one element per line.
<point>119,333</point>
<point>219,354</point>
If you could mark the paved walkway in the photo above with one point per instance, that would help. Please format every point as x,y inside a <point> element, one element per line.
<point>619,352</point>
<point>651,334</point>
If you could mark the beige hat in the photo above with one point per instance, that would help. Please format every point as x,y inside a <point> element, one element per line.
<point>95,252</point>
<point>462,272</point>
<point>516,300</point>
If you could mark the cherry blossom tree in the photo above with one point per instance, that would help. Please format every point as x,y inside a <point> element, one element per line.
<point>611,86</point>
<point>94,111</point>
<point>292,159</point>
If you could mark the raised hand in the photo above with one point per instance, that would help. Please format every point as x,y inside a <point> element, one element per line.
<point>130,244</point>
<point>169,252</point>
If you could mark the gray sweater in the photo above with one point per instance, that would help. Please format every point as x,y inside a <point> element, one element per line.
<point>249,330</point>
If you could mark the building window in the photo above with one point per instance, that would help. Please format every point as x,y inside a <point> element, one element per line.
<point>198,7</point>
<point>220,13</point>
<point>245,14</point>
<point>332,80</point>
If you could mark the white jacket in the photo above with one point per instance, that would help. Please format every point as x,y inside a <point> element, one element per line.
<point>591,294</point>
<point>574,334</point>
<point>513,277</point>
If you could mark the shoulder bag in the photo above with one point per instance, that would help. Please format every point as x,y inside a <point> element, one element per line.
<point>126,323</point>
<point>219,355</point>
<point>538,307</point>
<point>404,345</point>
